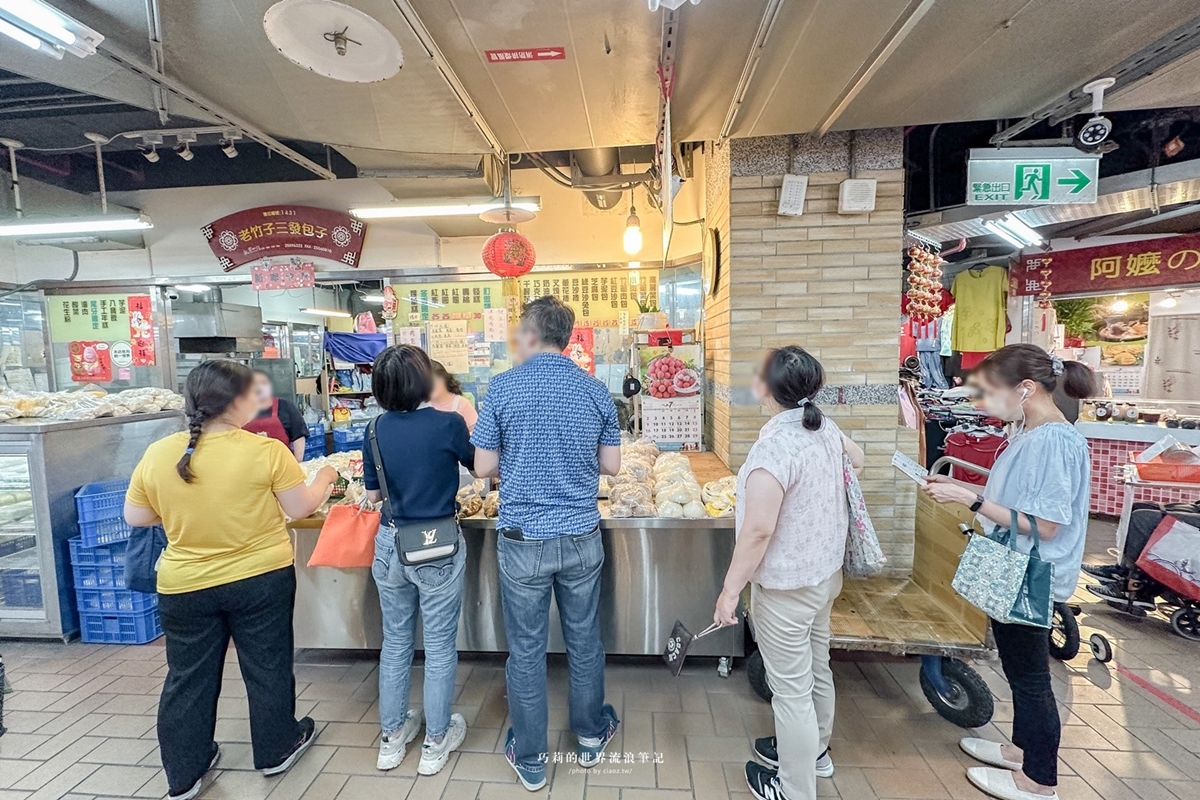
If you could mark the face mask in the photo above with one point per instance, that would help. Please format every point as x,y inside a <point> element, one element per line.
<point>1009,411</point>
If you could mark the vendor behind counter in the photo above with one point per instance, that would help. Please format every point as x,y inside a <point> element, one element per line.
<point>278,418</point>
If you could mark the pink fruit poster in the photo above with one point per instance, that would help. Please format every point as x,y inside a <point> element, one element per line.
<point>671,371</point>
<point>582,349</point>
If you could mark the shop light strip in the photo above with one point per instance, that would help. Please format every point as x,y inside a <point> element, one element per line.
<point>81,225</point>
<point>326,312</point>
<point>445,209</point>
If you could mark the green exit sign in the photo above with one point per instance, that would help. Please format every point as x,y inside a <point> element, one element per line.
<point>1031,176</point>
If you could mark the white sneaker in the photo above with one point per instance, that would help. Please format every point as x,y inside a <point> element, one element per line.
<point>824,765</point>
<point>1000,783</point>
<point>392,748</point>
<point>434,755</point>
<point>987,752</point>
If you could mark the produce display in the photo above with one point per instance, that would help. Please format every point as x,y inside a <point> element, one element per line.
<point>470,499</point>
<point>668,376</point>
<point>348,489</point>
<point>86,404</point>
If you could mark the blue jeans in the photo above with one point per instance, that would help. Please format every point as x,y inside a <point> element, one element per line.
<point>436,590</point>
<point>570,565</point>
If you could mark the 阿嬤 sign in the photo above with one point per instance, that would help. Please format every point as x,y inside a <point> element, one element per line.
<point>1148,264</point>
<point>1031,176</point>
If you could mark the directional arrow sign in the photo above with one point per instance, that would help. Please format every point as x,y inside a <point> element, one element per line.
<point>1079,180</point>
<point>525,54</point>
<point>1031,176</point>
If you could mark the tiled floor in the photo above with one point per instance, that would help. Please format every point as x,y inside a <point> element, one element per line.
<point>81,724</point>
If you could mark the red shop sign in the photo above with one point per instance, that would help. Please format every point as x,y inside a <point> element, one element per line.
<point>1123,267</point>
<point>141,330</point>
<point>526,54</point>
<point>285,231</point>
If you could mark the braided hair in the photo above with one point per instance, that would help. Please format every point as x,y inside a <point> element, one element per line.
<point>210,389</point>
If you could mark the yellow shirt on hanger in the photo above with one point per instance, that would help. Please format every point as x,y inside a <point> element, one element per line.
<point>979,310</point>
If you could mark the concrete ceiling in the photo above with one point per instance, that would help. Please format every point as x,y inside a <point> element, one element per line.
<point>959,61</point>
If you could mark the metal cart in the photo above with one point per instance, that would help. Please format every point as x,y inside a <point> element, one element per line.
<point>919,616</point>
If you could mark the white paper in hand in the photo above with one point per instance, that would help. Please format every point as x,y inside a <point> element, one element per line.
<point>909,467</point>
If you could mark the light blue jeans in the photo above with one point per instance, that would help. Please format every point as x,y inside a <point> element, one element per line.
<point>529,570</point>
<point>435,589</point>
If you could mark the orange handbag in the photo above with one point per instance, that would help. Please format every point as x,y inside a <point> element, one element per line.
<point>347,538</point>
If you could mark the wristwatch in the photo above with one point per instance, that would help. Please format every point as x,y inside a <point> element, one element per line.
<point>978,503</point>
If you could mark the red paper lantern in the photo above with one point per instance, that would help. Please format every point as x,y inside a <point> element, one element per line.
<point>508,254</point>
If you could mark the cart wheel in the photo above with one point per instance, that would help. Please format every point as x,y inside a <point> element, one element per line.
<point>965,700</point>
<point>1064,633</point>
<point>756,673</point>
<point>1186,622</point>
<point>1101,649</point>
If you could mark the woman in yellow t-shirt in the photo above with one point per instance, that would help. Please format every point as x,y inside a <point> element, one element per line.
<point>220,494</point>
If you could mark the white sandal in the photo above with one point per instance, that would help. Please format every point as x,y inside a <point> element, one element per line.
<point>987,752</point>
<point>1000,783</point>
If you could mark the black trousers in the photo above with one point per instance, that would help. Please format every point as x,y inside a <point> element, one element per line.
<point>257,614</point>
<point>1025,657</point>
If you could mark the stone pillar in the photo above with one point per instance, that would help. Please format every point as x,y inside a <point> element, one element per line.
<point>830,283</point>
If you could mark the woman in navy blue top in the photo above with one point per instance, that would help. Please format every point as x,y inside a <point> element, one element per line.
<point>421,449</point>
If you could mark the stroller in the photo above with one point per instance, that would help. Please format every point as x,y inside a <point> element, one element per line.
<point>1166,575</point>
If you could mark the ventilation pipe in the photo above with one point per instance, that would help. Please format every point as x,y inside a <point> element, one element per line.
<point>599,162</point>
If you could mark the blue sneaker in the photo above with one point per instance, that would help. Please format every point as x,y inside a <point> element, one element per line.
<point>590,749</point>
<point>531,779</point>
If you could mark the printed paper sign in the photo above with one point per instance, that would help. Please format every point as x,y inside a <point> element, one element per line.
<point>141,330</point>
<point>408,336</point>
<point>448,344</point>
<point>121,354</point>
<point>909,467</point>
<point>526,54</point>
<point>495,325</point>
<point>582,349</point>
<point>91,362</point>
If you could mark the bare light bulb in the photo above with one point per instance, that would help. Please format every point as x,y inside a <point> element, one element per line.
<point>1120,306</point>
<point>1168,302</point>
<point>633,234</point>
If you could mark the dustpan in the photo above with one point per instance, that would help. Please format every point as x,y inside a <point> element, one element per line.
<point>680,642</point>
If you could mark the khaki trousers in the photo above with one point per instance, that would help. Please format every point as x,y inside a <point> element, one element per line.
<point>792,629</point>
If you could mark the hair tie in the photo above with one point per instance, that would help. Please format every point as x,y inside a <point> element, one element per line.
<point>189,450</point>
<point>1056,365</point>
<point>803,402</point>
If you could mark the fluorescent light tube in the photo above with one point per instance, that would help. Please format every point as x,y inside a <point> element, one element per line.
<point>372,298</point>
<point>57,33</point>
<point>995,227</point>
<point>1018,228</point>
<point>326,312</point>
<point>447,209</point>
<point>80,225</point>
<point>27,39</point>
<point>194,288</point>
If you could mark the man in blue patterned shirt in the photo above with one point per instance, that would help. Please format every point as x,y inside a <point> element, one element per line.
<point>548,430</point>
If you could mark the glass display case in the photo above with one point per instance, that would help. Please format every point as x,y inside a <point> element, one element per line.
<point>20,570</point>
<point>23,342</point>
<point>306,349</point>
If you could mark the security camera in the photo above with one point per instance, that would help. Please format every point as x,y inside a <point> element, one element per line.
<point>1094,131</point>
<point>172,294</point>
<point>1098,128</point>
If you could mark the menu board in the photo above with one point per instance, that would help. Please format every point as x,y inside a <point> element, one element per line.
<point>598,298</point>
<point>122,319</point>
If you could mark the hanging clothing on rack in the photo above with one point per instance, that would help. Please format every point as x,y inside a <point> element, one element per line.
<point>929,355</point>
<point>979,316</point>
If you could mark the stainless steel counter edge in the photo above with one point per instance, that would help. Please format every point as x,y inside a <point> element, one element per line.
<point>627,523</point>
<point>40,425</point>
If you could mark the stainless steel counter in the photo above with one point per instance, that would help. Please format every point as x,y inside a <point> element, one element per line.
<point>655,571</point>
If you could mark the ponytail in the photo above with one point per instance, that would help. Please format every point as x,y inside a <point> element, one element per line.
<point>210,389</point>
<point>1021,362</point>
<point>794,377</point>
<point>1078,380</point>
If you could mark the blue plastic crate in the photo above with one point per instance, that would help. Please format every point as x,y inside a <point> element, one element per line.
<point>21,587</point>
<point>316,431</point>
<point>101,500</point>
<point>98,567</point>
<point>351,438</point>
<point>17,544</point>
<point>119,627</point>
<point>96,534</point>
<point>108,601</point>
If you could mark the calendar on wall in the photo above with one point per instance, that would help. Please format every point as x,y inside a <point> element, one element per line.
<point>674,423</point>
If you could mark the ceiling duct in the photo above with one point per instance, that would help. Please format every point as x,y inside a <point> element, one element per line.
<point>599,162</point>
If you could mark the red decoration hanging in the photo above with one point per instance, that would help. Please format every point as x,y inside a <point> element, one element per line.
<point>508,254</point>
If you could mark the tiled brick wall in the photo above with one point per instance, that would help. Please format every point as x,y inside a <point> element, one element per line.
<point>1108,493</point>
<point>828,282</point>
<point>716,309</point>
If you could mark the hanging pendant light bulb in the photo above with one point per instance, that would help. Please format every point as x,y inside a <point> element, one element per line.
<point>633,230</point>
